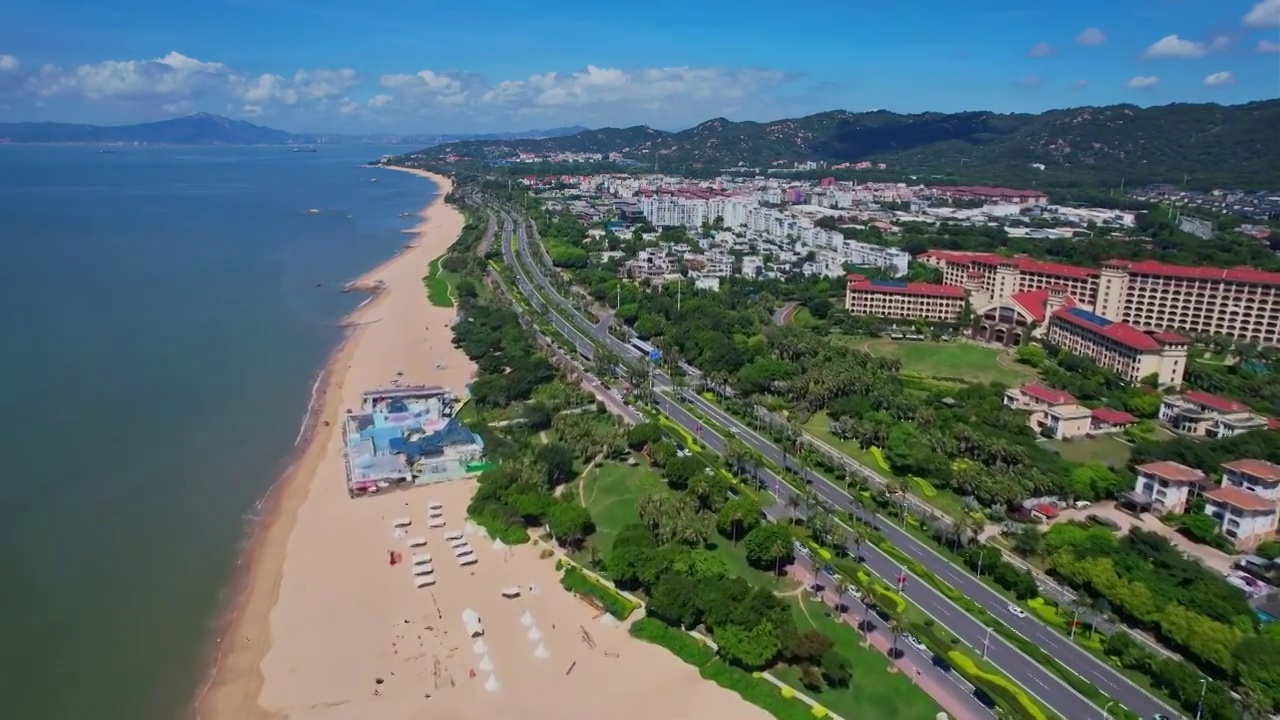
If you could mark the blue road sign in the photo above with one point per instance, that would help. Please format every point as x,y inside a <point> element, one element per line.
<point>655,355</point>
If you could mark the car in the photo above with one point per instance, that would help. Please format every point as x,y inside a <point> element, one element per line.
<point>914,642</point>
<point>1017,611</point>
<point>1160,716</point>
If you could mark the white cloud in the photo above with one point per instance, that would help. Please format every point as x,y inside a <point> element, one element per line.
<point>1141,81</point>
<point>1031,81</point>
<point>379,100</point>
<point>1040,50</point>
<point>1172,46</point>
<point>1219,79</point>
<point>1266,46</point>
<point>1091,36</point>
<point>1265,14</point>
<point>8,63</point>
<point>1080,84</point>
<point>251,110</point>
<point>673,85</point>
<point>1221,42</point>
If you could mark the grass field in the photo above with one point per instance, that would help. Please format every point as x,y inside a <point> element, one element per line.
<point>611,493</point>
<point>1106,450</point>
<point>973,363</point>
<point>439,284</point>
<point>873,691</point>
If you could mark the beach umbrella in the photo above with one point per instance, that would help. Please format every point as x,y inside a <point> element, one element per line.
<point>492,684</point>
<point>526,619</point>
<point>486,665</point>
<point>479,647</point>
<point>535,634</point>
<point>541,652</point>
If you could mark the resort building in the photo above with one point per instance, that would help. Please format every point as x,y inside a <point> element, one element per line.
<point>1058,414</point>
<point>1165,487</point>
<point>992,194</point>
<point>408,434</point>
<point>1120,347</point>
<point>1205,415</point>
<point>1242,303</point>
<point>908,300</point>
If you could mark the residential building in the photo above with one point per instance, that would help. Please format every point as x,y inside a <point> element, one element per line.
<point>1166,487</point>
<point>1248,518</point>
<point>903,300</point>
<point>1259,477</point>
<point>1120,347</point>
<point>1057,413</point>
<point>1205,415</point>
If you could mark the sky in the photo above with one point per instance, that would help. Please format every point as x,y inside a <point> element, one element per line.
<point>425,66</point>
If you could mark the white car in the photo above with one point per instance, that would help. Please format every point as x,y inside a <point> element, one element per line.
<point>1017,611</point>
<point>914,642</point>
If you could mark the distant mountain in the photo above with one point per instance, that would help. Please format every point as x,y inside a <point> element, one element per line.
<point>207,129</point>
<point>1233,143</point>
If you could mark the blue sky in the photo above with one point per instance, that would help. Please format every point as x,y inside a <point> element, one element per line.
<point>491,65</point>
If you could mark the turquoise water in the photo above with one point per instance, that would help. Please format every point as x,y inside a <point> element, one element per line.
<point>162,331</point>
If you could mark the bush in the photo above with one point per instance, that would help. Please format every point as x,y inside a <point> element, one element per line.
<point>681,644</point>
<point>757,691</point>
<point>498,530</point>
<point>879,458</point>
<point>576,581</point>
<point>1006,694</point>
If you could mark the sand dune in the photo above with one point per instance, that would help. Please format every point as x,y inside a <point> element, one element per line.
<point>323,615</point>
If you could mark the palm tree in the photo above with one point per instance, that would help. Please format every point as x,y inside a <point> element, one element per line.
<point>898,487</point>
<point>855,537</point>
<point>794,503</point>
<point>897,627</point>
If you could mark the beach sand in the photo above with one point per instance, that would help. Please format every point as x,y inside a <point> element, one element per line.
<point>322,616</point>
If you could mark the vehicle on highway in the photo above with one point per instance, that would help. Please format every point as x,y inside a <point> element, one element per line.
<point>914,642</point>
<point>1017,611</point>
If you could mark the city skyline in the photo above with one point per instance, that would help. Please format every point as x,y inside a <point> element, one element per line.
<point>494,66</point>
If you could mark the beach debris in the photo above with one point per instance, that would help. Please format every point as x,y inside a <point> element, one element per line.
<point>492,684</point>
<point>541,652</point>
<point>586,637</point>
<point>572,665</point>
<point>479,647</point>
<point>534,634</point>
<point>393,557</point>
<point>526,619</point>
<point>485,665</point>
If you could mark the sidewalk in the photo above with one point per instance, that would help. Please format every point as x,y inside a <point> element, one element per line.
<point>953,698</point>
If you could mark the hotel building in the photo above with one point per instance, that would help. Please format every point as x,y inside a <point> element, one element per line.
<point>1241,303</point>
<point>907,300</point>
<point>1119,347</point>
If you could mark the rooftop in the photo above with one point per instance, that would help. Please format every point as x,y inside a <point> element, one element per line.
<point>898,287</point>
<point>1260,469</point>
<point>1242,499</point>
<point>1172,471</point>
<point>1122,333</point>
<point>1048,395</point>
<point>1213,402</point>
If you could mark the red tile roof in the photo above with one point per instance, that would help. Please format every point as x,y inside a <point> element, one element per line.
<point>1242,273</point>
<point>1123,333</point>
<point>1023,263</point>
<point>1242,499</point>
<point>1260,469</point>
<point>907,288</point>
<point>1169,470</point>
<point>1033,302</point>
<point>1048,395</point>
<point>986,191</point>
<point>1214,402</point>
<point>1048,511</point>
<point>1113,417</point>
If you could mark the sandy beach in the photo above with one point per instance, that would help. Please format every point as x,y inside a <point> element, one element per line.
<point>323,627</point>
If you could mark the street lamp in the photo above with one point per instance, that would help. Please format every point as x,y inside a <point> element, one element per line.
<point>1105,710</point>
<point>1204,685</point>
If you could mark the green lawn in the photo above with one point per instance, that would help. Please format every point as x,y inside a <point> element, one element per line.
<point>1106,450</point>
<point>612,492</point>
<point>965,361</point>
<point>873,691</point>
<point>439,284</point>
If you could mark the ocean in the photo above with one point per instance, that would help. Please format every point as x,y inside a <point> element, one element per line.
<point>166,313</point>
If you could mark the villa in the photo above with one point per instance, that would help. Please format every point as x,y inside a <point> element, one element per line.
<point>407,435</point>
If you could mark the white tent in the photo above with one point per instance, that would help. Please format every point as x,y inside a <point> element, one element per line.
<point>526,619</point>
<point>434,514</point>
<point>492,684</point>
<point>499,545</point>
<point>468,560</point>
<point>425,569</point>
<point>422,581</point>
<point>460,542</point>
<point>401,522</point>
<point>511,592</point>
<point>479,647</point>
<point>471,619</point>
<point>436,523</point>
<point>534,634</point>
<point>451,536</point>
<point>421,558</point>
<point>417,541</point>
<point>435,505</point>
<point>485,665</point>
<point>461,552</point>
<point>541,652</point>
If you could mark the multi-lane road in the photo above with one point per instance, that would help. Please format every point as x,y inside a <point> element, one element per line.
<point>1039,681</point>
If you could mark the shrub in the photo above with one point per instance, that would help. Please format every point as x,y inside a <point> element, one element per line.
<point>680,643</point>
<point>879,458</point>
<point>1005,693</point>
<point>757,691</point>
<point>498,530</point>
<point>576,581</point>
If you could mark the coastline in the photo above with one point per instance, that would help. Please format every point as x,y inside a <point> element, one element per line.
<point>235,679</point>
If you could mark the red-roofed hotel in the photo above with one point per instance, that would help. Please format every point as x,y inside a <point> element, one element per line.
<point>1119,347</point>
<point>897,299</point>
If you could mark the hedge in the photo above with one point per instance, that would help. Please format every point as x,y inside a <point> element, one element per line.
<point>1000,689</point>
<point>498,530</point>
<point>681,644</point>
<point>574,580</point>
<point>878,454</point>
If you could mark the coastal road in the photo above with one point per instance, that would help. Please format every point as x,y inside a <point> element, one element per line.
<point>783,315</point>
<point>1035,679</point>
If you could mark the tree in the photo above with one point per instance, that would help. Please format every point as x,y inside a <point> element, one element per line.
<point>675,601</point>
<point>570,523</point>
<point>752,649</point>
<point>644,435</point>
<point>1032,355</point>
<point>738,517</point>
<point>768,546</point>
<point>557,461</point>
<point>537,416</point>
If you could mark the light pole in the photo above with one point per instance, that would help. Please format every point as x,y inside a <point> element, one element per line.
<point>986,641</point>
<point>1204,685</point>
<point>1105,710</point>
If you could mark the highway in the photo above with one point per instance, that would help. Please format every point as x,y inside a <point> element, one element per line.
<point>1039,681</point>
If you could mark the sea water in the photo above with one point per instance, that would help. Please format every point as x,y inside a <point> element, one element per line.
<point>165,313</point>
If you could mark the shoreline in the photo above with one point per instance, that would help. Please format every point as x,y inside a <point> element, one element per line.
<point>234,679</point>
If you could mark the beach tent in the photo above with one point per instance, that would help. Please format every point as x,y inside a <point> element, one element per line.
<point>526,619</point>
<point>468,560</point>
<point>422,581</point>
<point>492,684</point>
<point>485,664</point>
<point>499,545</point>
<point>423,569</point>
<point>461,552</point>
<point>479,647</point>
<point>511,592</point>
<point>455,535</point>
<point>401,522</point>
<point>471,619</point>
<point>435,506</point>
<point>435,523</point>
<point>534,634</point>
<point>421,558</point>
<point>417,541</point>
<point>434,514</point>
<point>541,652</point>
<point>459,542</point>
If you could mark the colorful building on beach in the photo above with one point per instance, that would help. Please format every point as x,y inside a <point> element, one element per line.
<point>411,434</point>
